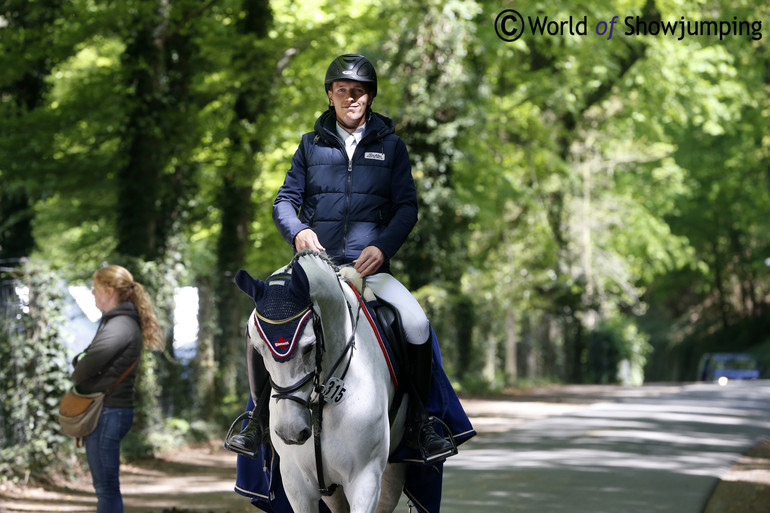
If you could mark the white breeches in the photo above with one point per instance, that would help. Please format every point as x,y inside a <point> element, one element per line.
<point>389,289</point>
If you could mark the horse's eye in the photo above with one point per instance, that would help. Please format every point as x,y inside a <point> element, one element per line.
<point>306,350</point>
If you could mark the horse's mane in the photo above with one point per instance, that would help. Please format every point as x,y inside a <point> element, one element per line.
<point>346,272</point>
<point>309,252</point>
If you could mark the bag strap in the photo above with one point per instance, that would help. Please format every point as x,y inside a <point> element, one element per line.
<point>122,377</point>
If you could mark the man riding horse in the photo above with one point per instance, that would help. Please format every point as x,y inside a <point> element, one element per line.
<point>350,193</point>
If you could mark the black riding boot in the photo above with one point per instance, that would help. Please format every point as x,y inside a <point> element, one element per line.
<point>251,436</point>
<point>421,431</point>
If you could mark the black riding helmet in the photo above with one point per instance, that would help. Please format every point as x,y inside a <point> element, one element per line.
<point>352,67</point>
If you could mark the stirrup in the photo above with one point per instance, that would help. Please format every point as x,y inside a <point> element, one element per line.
<point>429,460</point>
<point>238,450</point>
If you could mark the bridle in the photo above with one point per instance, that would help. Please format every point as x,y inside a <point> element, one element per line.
<point>287,392</point>
<point>320,384</point>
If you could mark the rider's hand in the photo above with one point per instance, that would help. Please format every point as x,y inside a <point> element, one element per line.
<point>307,239</point>
<point>369,261</point>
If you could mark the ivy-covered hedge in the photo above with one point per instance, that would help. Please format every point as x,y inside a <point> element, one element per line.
<point>34,373</point>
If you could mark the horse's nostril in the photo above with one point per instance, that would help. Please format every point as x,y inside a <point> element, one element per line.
<point>303,436</point>
<point>298,439</point>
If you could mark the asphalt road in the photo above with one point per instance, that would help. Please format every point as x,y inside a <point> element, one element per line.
<point>654,450</point>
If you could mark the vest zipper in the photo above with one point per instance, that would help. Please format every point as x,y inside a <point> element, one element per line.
<point>348,192</point>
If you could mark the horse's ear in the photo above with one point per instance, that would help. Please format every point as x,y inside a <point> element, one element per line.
<point>299,286</point>
<point>252,287</point>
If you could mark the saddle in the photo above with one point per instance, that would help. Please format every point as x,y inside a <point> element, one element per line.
<point>387,318</point>
<point>392,328</point>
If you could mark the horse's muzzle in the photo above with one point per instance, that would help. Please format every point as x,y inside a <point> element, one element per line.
<point>293,423</point>
<point>297,438</point>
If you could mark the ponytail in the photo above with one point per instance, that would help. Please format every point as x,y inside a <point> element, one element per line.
<point>120,279</point>
<point>151,332</point>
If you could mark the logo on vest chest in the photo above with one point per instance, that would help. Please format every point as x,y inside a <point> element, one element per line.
<point>373,155</point>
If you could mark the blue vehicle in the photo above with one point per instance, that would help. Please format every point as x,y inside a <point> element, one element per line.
<point>726,366</point>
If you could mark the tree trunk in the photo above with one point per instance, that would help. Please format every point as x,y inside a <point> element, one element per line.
<point>464,321</point>
<point>158,62</point>
<point>139,178</point>
<point>511,364</point>
<point>235,204</point>
<point>235,192</point>
<point>35,24</point>
<point>204,366</point>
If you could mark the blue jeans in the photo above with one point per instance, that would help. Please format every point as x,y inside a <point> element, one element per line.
<point>103,453</point>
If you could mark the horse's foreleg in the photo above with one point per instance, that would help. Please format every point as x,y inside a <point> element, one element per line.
<point>363,492</point>
<point>337,502</point>
<point>302,496</point>
<point>392,486</point>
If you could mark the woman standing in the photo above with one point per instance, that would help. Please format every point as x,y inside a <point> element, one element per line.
<point>128,323</point>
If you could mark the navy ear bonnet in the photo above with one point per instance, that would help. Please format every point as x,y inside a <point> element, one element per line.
<point>279,303</point>
<point>280,315</point>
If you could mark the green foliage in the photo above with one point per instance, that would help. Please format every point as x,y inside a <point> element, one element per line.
<point>429,58</point>
<point>436,302</point>
<point>589,205</point>
<point>617,353</point>
<point>172,433</point>
<point>34,375</point>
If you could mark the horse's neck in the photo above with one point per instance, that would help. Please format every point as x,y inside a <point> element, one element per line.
<point>324,289</point>
<point>328,297</point>
<point>338,308</point>
<point>366,340</point>
<point>341,315</point>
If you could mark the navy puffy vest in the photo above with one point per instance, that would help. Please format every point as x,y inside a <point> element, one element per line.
<point>350,204</point>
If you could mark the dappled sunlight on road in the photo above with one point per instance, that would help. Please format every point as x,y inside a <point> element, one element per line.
<point>642,454</point>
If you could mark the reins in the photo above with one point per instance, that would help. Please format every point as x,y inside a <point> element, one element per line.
<point>317,410</point>
<point>319,388</point>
